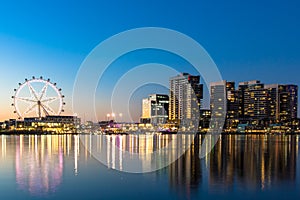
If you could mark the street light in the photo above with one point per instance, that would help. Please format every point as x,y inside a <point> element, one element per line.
<point>108,116</point>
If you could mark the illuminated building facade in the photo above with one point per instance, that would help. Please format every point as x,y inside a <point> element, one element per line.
<point>48,124</point>
<point>288,102</point>
<point>218,98</point>
<point>254,101</point>
<point>205,116</point>
<point>273,102</point>
<point>186,94</point>
<point>283,102</point>
<point>224,102</point>
<point>232,101</point>
<point>276,103</point>
<point>146,108</point>
<point>155,109</point>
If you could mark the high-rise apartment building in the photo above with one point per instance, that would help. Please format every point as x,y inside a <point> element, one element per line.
<point>288,102</point>
<point>253,99</point>
<point>186,93</point>
<point>283,102</point>
<point>232,101</point>
<point>272,103</point>
<point>218,99</point>
<point>224,102</point>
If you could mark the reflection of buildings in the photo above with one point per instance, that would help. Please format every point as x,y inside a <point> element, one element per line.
<point>39,160</point>
<point>155,109</point>
<point>37,169</point>
<point>186,173</point>
<point>116,149</point>
<point>253,161</point>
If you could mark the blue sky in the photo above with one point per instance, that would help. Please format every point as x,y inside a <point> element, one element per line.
<point>246,39</point>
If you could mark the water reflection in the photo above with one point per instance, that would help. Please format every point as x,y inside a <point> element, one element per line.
<point>39,160</point>
<point>255,162</point>
<point>246,163</point>
<point>137,153</point>
<point>237,162</point>
<point>185,175</point>
<point>252,162</point>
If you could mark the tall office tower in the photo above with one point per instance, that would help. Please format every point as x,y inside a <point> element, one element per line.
<point>253,101</point>
<point>155,109</point>
<point>224,100</point>
<point>186,93</point>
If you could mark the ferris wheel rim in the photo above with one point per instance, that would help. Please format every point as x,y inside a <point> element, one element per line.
<point>47,83</point>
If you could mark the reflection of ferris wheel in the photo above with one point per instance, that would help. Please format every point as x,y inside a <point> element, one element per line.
<point>37,97</point>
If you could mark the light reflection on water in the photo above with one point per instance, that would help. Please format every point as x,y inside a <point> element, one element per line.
<point>40,166</point>
<point>39,160</point>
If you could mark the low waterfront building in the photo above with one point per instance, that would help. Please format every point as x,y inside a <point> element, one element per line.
<point>2,126</point>
<point>48,124</point>
<point>155,109</point>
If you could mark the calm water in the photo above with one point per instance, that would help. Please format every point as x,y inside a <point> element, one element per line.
<point>60,167</point>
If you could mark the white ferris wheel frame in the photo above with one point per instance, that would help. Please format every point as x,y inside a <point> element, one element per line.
<point>37,101</point>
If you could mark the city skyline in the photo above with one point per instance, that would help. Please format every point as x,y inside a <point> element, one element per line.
<point>230,92</point>
<point>245,46</point>
<point>195,99</point>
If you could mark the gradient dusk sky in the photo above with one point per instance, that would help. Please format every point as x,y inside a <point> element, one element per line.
<point>250,39</point>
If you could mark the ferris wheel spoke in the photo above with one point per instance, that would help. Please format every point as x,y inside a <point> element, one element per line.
<point>36,98</point>
<point>25,99</point>
<point>45,111</point>
<point>48,109</point>
<point>30,108</point>
<point>50,99</point>
<point>32,91</point>
<point>44,90</point>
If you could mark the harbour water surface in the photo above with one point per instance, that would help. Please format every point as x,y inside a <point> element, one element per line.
<point>61,167</point>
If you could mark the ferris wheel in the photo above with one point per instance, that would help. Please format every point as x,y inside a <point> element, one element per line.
<point>37,97</point>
